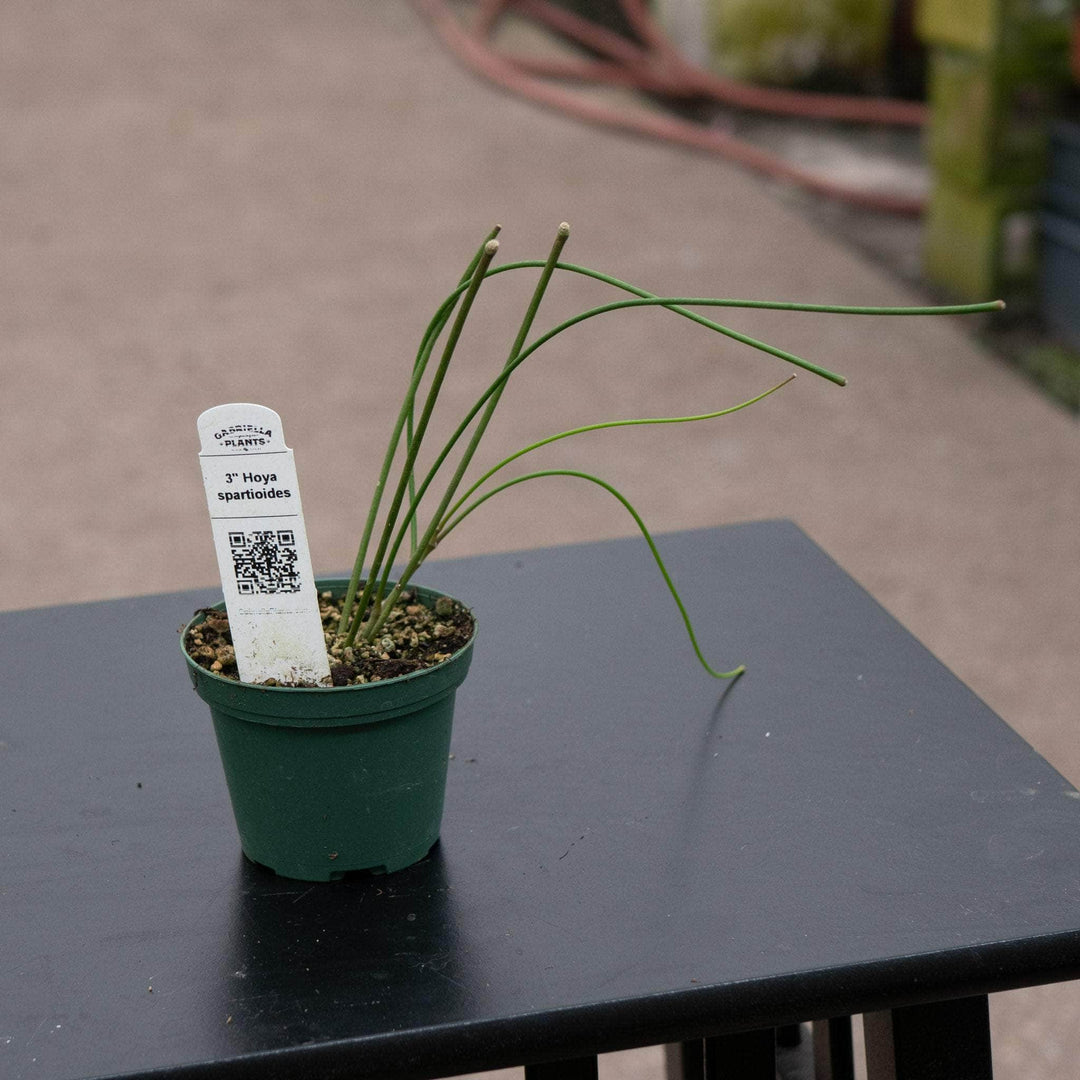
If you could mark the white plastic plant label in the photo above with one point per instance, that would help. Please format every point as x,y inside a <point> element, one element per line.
<point>262,547</point>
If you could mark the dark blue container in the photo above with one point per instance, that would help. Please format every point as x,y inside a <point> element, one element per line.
<point>1060,271</point>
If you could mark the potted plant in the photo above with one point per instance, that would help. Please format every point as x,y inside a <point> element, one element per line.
<point>350,775</point>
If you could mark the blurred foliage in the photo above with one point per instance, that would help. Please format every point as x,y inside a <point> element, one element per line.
<point>802,42</point>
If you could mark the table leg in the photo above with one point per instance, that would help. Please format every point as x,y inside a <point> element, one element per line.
<point>576,1069</point>
<point>834,1057</point>
<point>684,1061</point>
<point>789,1036</point>
<point>948,1040</point>
<point>749,1055</point>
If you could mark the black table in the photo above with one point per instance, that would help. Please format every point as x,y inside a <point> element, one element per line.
<point>630,854</point>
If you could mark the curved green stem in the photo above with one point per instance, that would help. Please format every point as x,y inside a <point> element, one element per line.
<point>780,305</point>
<point>495,387</point>
<point>769,305</point>
<point>602,426</point>
<point>490,248</point>
<point>679,305</point>
<point>405,418</point>
<point>419,550</point>
<point>427,346</point>
<point>644,532</point>
<point>431,336</point>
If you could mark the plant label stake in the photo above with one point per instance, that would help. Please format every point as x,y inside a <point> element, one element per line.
<point>262,547</point>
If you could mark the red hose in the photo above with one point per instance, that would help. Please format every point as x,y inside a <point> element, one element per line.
<point>589,34</point>
<point>766,99</point>
<point>659,67</point>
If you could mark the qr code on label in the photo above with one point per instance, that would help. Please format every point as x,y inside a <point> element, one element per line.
<point>265,562</point>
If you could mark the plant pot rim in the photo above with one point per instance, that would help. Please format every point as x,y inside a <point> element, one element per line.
<point>322,584</point>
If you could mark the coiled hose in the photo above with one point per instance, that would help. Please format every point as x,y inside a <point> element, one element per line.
<point>657,66</point>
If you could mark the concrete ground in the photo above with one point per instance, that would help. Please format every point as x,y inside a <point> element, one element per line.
<point>262,200</point>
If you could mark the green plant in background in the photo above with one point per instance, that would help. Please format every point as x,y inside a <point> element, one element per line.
<point>795,42</point>
<point>370,599</point>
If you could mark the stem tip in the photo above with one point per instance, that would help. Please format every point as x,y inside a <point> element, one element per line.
<point>491,247</point>
<point>564,230</point>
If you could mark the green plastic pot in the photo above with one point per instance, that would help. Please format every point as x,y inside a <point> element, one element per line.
<point>328,780</point>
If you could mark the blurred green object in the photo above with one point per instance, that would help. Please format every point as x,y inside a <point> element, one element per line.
<point>977,242</point>
<point>995,26</point>
<point>990,116</point>
<point>800,42</point>
<point>996,76</point>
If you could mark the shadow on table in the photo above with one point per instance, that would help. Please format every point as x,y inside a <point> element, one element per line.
<point>308,961</point>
